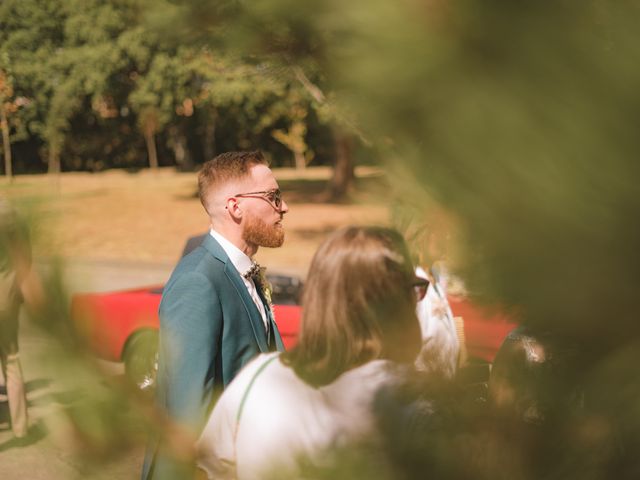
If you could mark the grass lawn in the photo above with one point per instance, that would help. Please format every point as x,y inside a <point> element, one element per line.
<point>147,216</point>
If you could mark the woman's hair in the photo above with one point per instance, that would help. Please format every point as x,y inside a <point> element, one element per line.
<point>358,305</point>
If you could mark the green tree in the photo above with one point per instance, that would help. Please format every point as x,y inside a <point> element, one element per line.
<point>160,93</point>
<point>291,40</point>
<point>30,33</point>
<point>9,105</point>
<point>259,98</point>
<point>96,71</point>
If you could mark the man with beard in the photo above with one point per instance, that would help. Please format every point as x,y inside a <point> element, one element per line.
<point>214,316</point>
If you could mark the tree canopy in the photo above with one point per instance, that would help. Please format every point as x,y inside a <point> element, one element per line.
<point>104,86</point>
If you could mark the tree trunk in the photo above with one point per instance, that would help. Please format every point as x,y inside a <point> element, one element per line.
<point>301,161</point>
<point>343,170</point>
<point>150,140</point>
<point>181,151</point>
<point>54,160</point>
<point>210,138</point>
<point>6,142</point>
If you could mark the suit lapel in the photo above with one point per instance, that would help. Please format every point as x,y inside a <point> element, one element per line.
<point>276,336</point>
<point>274,327</point>
<point>232,274</point>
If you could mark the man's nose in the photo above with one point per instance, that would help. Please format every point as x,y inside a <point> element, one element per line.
<point>284,208</point>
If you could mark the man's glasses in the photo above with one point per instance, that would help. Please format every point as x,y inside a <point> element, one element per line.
<point>420,286</point>
<point>274,196</point>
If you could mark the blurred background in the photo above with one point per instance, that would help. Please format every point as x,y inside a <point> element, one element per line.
<point>508,128</point>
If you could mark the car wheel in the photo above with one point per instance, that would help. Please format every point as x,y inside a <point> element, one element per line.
<point>141,359</point>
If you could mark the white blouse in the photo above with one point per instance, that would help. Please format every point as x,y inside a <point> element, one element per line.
<point>284,419</point>
<point>440,343</point>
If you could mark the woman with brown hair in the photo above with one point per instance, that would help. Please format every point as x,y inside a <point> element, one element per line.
<point>358,325</point>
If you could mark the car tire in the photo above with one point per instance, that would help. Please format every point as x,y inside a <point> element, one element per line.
<point>141,359</point>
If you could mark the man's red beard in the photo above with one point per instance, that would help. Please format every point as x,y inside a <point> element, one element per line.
<point>257,232</point>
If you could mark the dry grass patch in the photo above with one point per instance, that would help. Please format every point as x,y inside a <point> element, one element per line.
<point>147,216</point>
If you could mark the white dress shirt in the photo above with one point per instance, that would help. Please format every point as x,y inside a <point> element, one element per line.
<point>242,263</point>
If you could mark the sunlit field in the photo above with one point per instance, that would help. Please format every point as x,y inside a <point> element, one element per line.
<point>147,216</point>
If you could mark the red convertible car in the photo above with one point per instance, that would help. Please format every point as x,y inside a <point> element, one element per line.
<point>123,326</point>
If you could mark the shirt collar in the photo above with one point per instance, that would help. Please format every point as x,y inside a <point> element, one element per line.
<point>238,258</point>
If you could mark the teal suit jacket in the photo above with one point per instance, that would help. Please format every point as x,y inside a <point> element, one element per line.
<point>209,329</point>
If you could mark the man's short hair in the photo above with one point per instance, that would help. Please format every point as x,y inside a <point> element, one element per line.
<point>226,166</point>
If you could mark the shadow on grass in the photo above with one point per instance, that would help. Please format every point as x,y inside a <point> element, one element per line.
<point>317,190</point>
<point>36,432</point>
<point>55,398</point>
<point>37,384</point>
<point>303,190</point>
<point>310,190</point>
<point>314,233</point>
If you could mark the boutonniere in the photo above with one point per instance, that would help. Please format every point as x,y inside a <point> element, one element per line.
<point>267,288</point>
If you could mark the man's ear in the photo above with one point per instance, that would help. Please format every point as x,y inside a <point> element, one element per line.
<point>233,207</point>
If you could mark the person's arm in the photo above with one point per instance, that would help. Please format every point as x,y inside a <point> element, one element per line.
<point>28,280</point>
<point>190,334</point>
